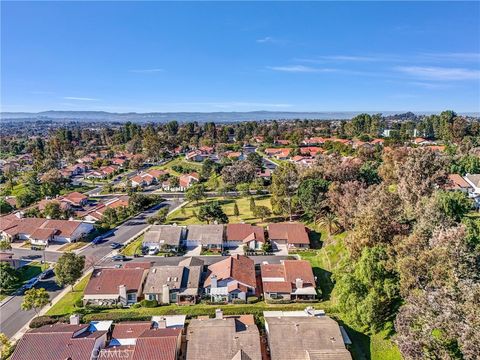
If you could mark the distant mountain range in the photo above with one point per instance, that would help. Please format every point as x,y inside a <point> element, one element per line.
<point>218,117</point>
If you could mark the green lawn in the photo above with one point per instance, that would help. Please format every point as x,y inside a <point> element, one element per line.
<point>66,305</point>
<point>227,204</point>
<point>179,161</point>
<point>134,247</point>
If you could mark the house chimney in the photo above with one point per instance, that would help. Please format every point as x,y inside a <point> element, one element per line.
<point>165,294</point>
<point>298,283</point>
<point>161,324</point>
<point>214,281</point>
<point>122,293</point>
<point>74,319</point>
<point>219,314</point>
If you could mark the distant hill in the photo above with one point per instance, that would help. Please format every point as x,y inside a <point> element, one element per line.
<point>218,117</point>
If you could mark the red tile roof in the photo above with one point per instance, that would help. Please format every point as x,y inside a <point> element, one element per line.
<point>107,280</point>
<point>237,267</point>
<point>131,329</point>
<point>240,232</point>
<point>56,342</point>
<point>293,233</point>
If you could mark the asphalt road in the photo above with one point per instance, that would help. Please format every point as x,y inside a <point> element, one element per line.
<point>12,318</point>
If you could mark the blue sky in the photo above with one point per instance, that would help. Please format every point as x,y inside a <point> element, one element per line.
<point>324,56</point>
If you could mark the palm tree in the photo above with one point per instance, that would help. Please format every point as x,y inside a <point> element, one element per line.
<point>330,220</point>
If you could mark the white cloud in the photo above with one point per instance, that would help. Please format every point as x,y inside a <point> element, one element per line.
<point>79,98</point>
<point>440,73</point>
<point>300,69</point>
<point>429,85</point>
<point>265,39</point>
<point>452,56</point>
<point>147,71</point>
<point>352,58</point>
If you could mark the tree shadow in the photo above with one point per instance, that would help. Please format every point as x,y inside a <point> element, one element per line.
<point>324,280</point>
<point>360,347</point>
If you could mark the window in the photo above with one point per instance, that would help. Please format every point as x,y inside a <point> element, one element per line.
<point>151,297</point>
<point>173,297</point>
<point>234,296</point>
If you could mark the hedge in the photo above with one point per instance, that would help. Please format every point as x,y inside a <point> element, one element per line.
<point>40,321</point>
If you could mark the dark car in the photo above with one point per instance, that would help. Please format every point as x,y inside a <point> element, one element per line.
<point>119,258</point>
<point>97,240</point>
<point>30,284</point>
<point>115,245</point>
<point>30,257</point>
<point>46,274</point>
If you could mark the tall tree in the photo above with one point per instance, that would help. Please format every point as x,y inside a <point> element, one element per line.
<point>285,181</point>
<point>69,268</point>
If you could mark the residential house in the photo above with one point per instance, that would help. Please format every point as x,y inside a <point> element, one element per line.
<point>173,284</point>
<point>377,141</point>
<point>311,150</point>
<point>305,335</point>
<point>40,231</point>
<point>96,214</point>
<point>187,180</point>
<point>289,234</point>
<point>313,141</point>
<point>206,236</point>
<point>64,206</point>
<point>457,182</point>
<point>474,192</point>
<point>195,155</point>
<point>75,199</point>
<point>143,341</point>
<point>164,237</point>
<point>231,279</point>
<point>422,141</point>
<point>290,280</point>
<point>281,142</point>
<point>109,286</point>
<point>223,338</point>
<point>61,341</point>
<point>244,234</point>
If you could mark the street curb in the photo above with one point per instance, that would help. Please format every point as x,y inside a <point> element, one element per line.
<point>56,299</point>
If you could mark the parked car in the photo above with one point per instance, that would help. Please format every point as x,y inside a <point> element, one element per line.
<point>46,274</point>
<point>30,257</point>
<point>115,245</point>
<point>30,284</point>
<point>97,240</point>
<point>153,251</point>
<point>119,258</point>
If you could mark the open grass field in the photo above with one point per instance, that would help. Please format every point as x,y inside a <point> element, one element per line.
<point>179,161</point>
<point>243,203</point>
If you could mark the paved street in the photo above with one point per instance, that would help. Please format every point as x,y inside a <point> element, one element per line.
<point>12,319</point>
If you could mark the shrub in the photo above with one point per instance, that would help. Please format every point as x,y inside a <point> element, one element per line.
<point>149,303</point>
<point>283,301</point>
<point>238,301</point>
<point>136,306</point>
<point>253,300</point>
<point>78,303</point>
<point>40,321</point>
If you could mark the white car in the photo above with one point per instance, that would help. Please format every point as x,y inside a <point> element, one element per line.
<point>153,251</point>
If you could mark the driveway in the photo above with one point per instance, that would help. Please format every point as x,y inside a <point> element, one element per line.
<point>280,249</point>
<point>194,251</point>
